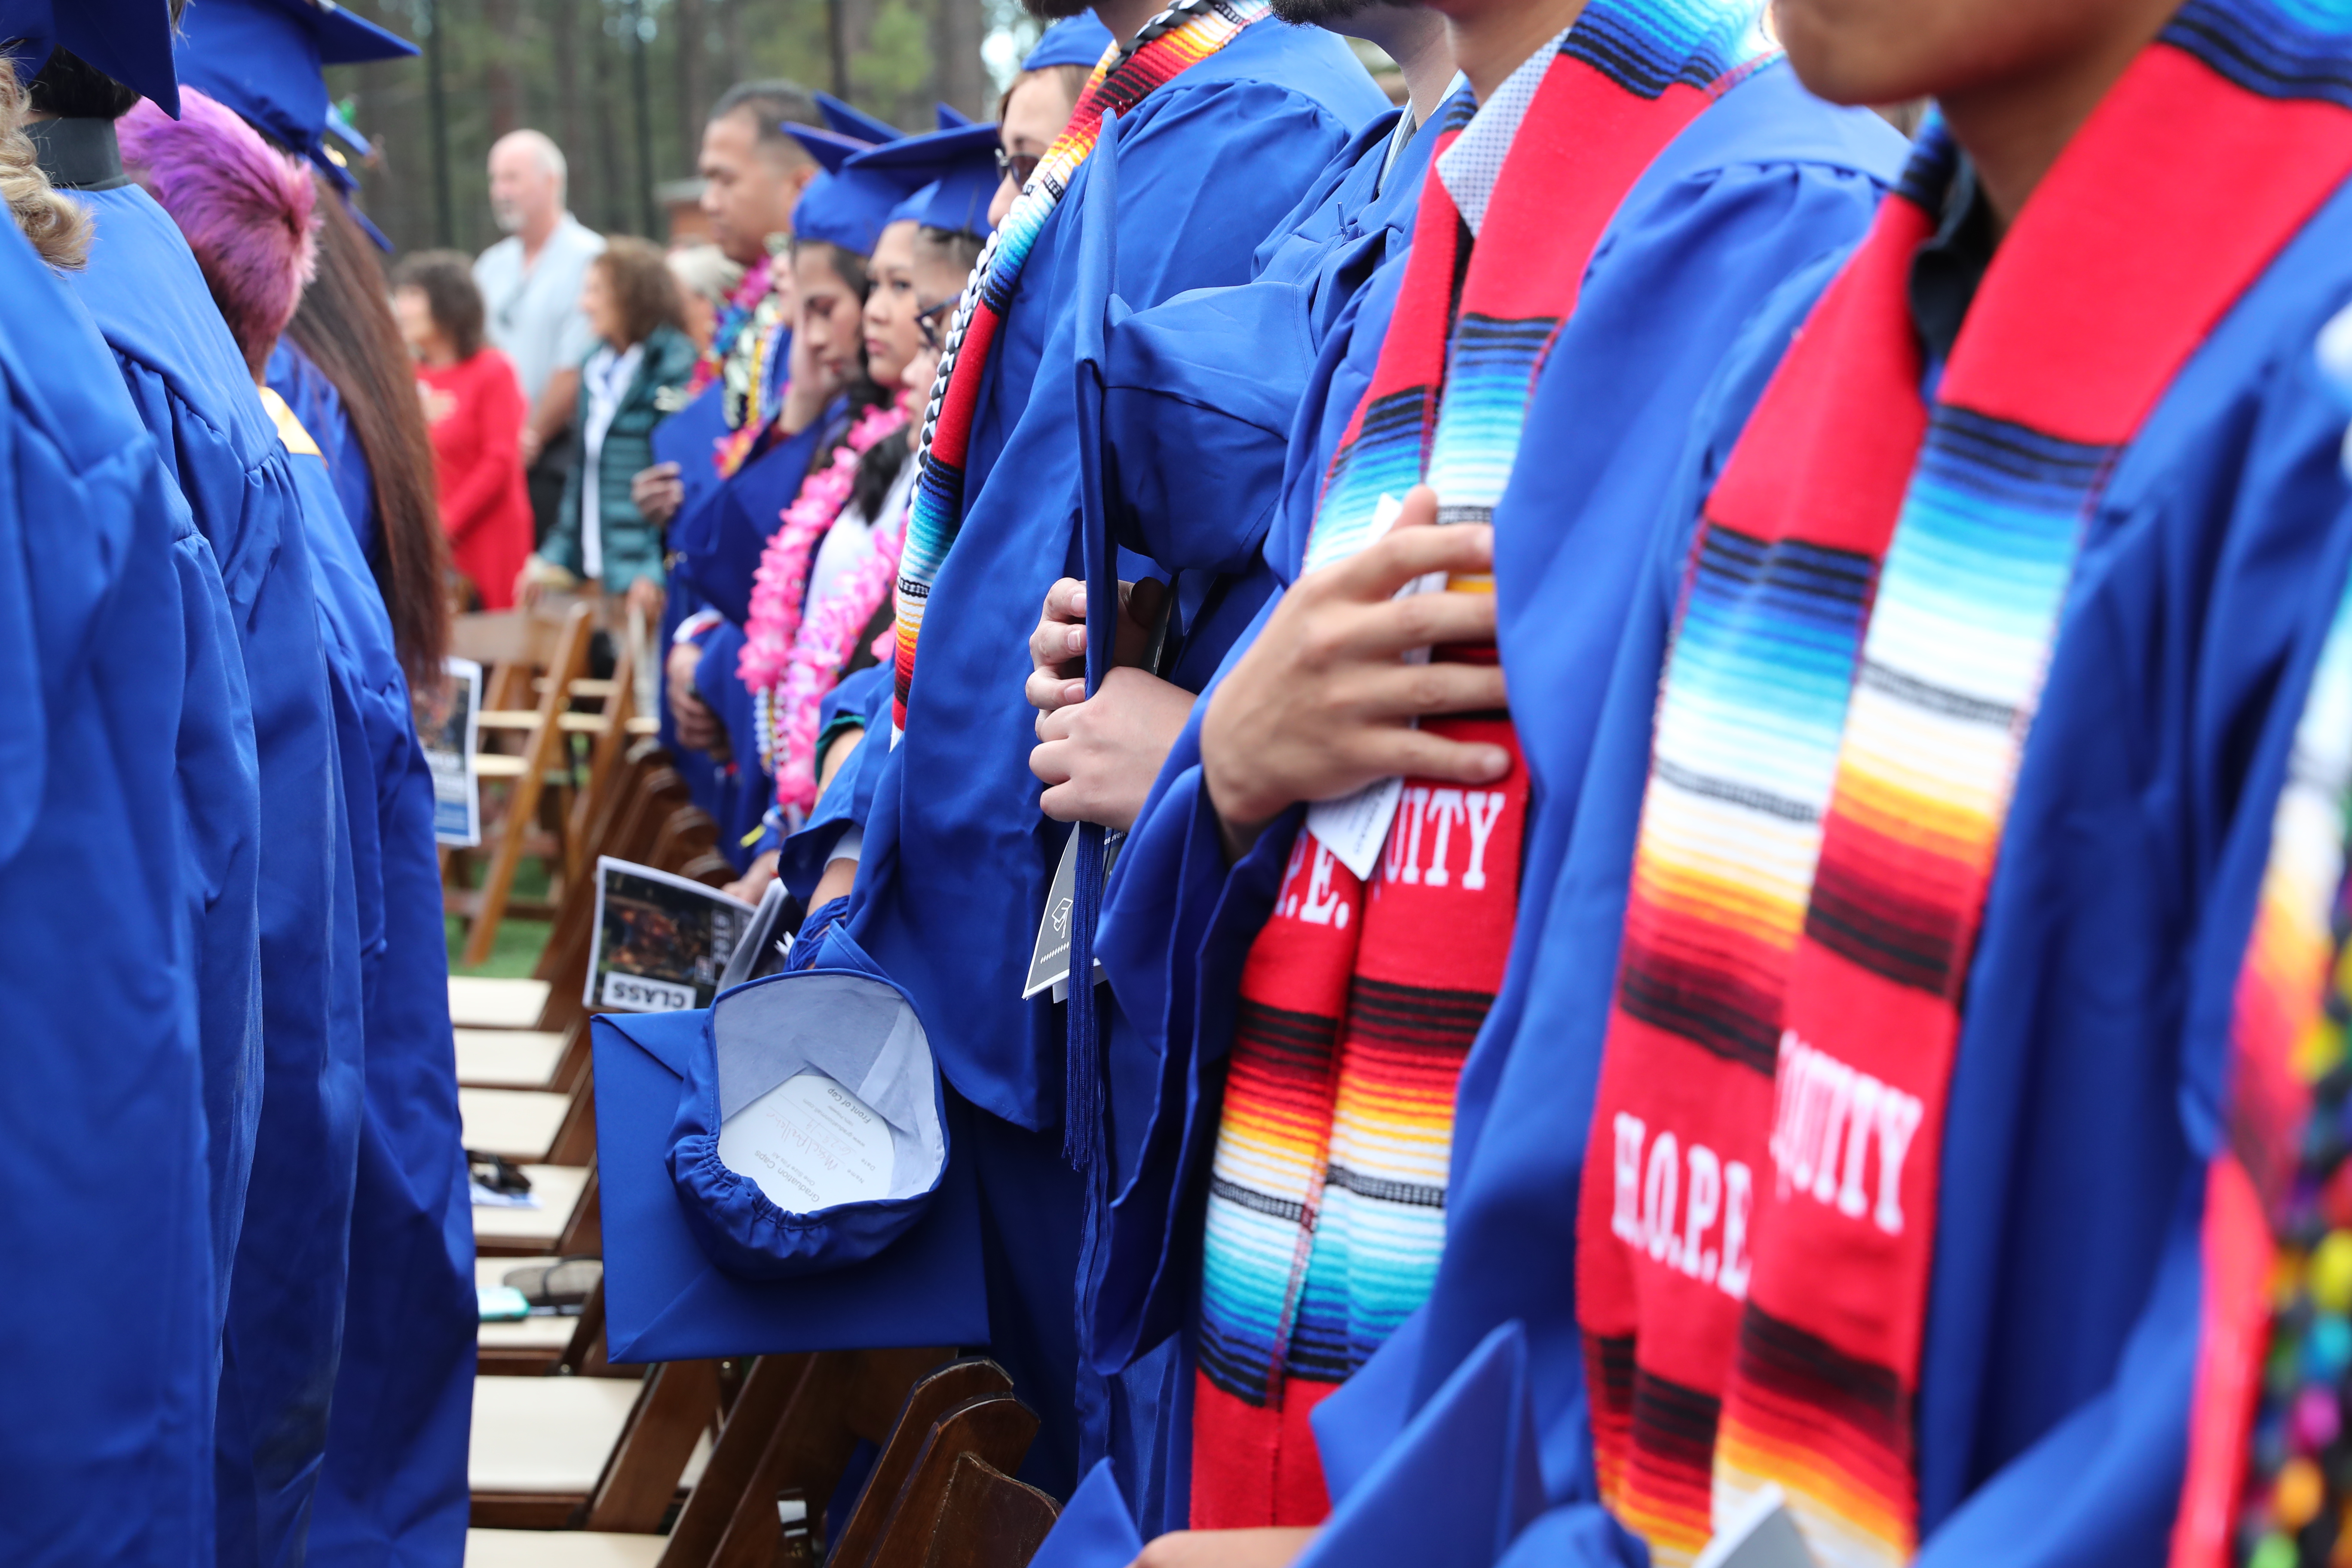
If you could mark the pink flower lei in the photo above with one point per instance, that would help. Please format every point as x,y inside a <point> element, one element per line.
<point>782,580</point>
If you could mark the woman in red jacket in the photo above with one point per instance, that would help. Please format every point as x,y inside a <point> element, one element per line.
<point>474,407</point>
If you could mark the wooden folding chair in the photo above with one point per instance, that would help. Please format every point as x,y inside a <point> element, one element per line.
<point>932,1396</point>
<point>995,1428</point>
<point>567,1223</point>
<point>988,1519</point>
<point>542,735</point>
<point>597,1453</point>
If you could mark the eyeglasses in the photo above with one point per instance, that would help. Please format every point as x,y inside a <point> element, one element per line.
<point>1018,166</point>
<point>931,321</point>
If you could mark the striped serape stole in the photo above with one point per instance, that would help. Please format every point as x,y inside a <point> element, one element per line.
<point>1873,599</point>
<point>1183,35</point>
<point>1360,1000</point>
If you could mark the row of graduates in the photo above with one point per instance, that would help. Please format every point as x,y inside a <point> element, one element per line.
<point>1826,1002</point>
<point>240,1328</point>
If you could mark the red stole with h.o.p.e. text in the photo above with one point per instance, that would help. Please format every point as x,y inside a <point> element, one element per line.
<point>1873,597</point>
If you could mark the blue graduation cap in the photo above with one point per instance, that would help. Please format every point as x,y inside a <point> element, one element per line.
<point>129,40</point>
<point>843,206</point>
<point>913,1278</point>
<point>948,117</point>
<point>1077,40</point>
<point>947,177</point>
<point>263,59</point>
<point>855,122</point>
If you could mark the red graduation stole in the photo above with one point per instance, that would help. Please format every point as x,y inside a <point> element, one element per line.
<point>1874,595</point>
<point>1358,1002</point>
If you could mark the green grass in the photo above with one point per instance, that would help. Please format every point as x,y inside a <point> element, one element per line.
<point>514,953</point>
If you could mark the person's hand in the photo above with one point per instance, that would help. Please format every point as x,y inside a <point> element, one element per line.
<point>752,884</point>
<point>812,385</point>
<point>698,729</point>
<point>531,447</point>
<point>645,596</point>
<point>1273,1548</point>
<point>1057,648</point>
<point>657,492</point>
<point>1099,757</point>
<point>1323,703</point>
<point>525,588</point>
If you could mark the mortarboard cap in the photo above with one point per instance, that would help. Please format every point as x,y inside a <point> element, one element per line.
<point>1077,40</point>
<point>948,117</point>
<point>855,122</point>
<point>841,207</point>
<point>262,60</point>
<point>948,178</point>
<point>129,40</point>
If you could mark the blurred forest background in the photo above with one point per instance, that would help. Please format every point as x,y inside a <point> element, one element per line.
<point>623,87</point>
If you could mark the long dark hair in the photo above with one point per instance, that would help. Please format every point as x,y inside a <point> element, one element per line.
<point>346,326</point>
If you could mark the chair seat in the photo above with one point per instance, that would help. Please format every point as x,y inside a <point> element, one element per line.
<point>507,1059</point>
<point>519,1123</point>
<point>561,1549</point>
<point>558,1189</point>
<point>476,1002</point>
<point>546,1435</point>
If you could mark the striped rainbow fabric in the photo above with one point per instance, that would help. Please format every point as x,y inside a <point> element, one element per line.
<point>1183,35</point>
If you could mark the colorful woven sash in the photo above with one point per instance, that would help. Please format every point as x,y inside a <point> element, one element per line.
<point>1358,1002</point>
<point>1185,33</point>
<point>1873,597</point>
<point>2277,1339</point>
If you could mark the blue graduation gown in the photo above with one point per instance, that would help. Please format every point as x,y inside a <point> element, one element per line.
<point>111,1317</point>
<point>1760,184</point>
<point>296,377</point>
<point>1210,164</point>
<point>2061,1319</point>
<point>394,1484</point>
<point>196,398</point>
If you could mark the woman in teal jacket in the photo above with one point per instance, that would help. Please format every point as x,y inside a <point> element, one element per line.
<point>633,378</point>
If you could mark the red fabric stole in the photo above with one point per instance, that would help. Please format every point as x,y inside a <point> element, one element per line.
<point>1358,1003</point>
<point>1759,1207</point>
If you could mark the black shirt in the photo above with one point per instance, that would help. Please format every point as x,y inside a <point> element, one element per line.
<point>1947,270</point>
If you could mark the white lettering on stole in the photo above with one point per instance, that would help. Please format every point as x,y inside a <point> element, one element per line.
<point>1827,1117</point>
<point>1416,800</point>
<point>1323,907</point>
<point>1486,810</point>
<point>1658,1186</point>
<point>1625,1219</point>
<point>1656,1211</point>
<point>1286,902</point>
<point>1444,810</point>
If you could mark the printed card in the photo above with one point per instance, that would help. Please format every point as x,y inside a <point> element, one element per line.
<point>810,1144</point>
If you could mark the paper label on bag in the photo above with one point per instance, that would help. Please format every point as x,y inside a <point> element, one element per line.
<point>1355,827</point>
<point>810,1144</point>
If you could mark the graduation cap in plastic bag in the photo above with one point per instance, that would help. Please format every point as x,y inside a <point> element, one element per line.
<point>841,207</point>
<point>949,175</point>
<point>129,40</point>
<point>1077,40</point>
<point>855,122</point>
<point>805,1085</point>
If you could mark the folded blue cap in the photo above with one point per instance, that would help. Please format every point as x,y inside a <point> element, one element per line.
<point>1077,40</point>
<point>842,206</point>
<point>262,60</point>
<point>129,40</point>
<point>948,117</point>
<point>850,121</point>
<point>947,177</point>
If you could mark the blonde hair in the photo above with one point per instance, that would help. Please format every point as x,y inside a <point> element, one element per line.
<point>55,223</point>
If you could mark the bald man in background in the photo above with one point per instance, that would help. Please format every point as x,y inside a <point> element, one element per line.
<point>530,291</point>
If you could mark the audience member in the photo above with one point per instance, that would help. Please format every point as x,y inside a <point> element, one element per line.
<point>531,284</point>
<point>633,376</point>
<point>707,278</point>
<point>474,406</point>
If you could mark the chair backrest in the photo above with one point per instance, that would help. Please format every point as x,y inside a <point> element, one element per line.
<point>988,1519</point>
<point>640,1480</point>
<point>994,1427</point>
<point>931,1397</point>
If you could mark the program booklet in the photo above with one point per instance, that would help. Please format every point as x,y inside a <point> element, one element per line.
<point>450,754</point>
<point>661,942</point>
